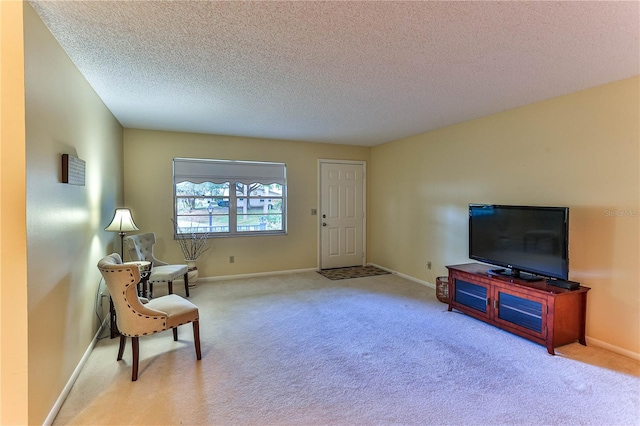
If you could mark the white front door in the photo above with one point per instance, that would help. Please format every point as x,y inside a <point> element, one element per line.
<point>342,215</point>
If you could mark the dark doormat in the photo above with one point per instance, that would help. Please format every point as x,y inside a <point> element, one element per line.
<point>352,272</point>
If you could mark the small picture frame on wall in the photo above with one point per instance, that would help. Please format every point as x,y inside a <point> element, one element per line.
<point>73,170</point>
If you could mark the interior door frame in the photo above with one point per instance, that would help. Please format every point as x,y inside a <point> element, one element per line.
<point>362,163</point>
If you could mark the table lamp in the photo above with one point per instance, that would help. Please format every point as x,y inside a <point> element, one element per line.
<point>122,223</point>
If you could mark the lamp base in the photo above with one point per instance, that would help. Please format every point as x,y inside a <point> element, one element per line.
<point>122,234</point>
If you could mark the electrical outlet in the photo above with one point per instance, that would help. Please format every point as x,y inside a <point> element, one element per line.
<point>429,265</point>
<point>232,259</point>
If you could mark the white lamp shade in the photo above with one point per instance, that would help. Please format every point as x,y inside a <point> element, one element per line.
<point>122,222</point>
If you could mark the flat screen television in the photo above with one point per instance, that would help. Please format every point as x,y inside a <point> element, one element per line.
<point>532,242</point>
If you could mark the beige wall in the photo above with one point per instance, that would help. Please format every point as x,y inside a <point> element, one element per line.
<point>579,150</point>
<point>149,194</point>
<point>65,223</point>
<point>13,234</point>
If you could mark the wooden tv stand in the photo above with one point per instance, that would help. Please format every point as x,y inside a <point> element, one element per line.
<point>548,315</point>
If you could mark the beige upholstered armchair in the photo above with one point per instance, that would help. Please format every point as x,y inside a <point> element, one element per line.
<point>136,319</point>
<point>140,247</point>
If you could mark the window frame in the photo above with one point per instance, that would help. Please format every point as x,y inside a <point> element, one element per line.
<point>213,171</point>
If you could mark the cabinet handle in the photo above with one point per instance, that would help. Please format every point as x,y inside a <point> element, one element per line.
<point>495,304</point>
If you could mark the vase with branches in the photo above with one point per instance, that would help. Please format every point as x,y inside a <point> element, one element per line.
<point>192,246</point>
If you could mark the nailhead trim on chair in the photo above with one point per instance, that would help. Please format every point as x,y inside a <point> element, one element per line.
<point>183,323</point>
<point>164,324</point>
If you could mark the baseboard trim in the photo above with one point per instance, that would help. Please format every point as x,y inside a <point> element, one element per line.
<point>65,392</point>
<point>408,277</point>
<point>257,274</point>
<point>612,348</point>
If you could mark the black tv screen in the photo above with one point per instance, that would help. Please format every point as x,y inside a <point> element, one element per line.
<point>527,239</point>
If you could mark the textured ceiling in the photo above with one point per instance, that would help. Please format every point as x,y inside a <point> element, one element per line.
<point>359,73</point>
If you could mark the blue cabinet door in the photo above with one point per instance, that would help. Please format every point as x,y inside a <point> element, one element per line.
<point>525,313</point>
<point>471,295</point>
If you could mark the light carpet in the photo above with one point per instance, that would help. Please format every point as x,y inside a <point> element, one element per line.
<point>299,349</point>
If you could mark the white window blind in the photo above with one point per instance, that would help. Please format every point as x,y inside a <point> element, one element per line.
<point>197,170</point>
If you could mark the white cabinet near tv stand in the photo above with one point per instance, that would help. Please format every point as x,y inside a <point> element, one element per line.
<point>548,315</point>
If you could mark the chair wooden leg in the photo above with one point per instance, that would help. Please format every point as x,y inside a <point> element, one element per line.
<point>112,319</point>
<point>170,285</point>
<point>196,338</point>
<point>123,343</point>
<point>175,334</point>
<point>186,283</point>
<point>135,352</point>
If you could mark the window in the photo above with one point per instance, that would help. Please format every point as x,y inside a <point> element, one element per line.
<point>229,198</point>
